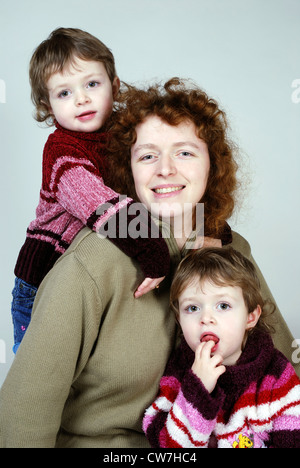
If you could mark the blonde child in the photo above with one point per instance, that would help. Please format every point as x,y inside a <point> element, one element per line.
<point>226,386</point>
<point>74,84</point>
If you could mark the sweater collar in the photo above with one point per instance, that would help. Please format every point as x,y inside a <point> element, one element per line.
<point>87,136</point>
<point>251,366</point>
<point>254,360</point>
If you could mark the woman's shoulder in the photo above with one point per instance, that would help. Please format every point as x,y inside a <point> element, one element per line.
<point>240,243</point>
<point>91,248</point>
<point>100,259</point>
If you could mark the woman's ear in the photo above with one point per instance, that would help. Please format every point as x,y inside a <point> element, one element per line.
<point>253,318</point>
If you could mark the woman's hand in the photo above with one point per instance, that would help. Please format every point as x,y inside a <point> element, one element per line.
<point>207,367</point>
<point>148,285</point>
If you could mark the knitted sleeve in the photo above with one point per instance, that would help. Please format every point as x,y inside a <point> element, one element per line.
<point>79,188</point>
<point>183,415</point>
<point>283,403</point>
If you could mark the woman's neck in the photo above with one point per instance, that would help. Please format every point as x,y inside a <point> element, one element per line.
<point>181,227</point>
<point>188,226</point>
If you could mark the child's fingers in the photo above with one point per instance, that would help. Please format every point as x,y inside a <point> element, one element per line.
<point>203,351</point>
<point>220,370</point>
<point>147,285</point>
<point>207,349</point>
<point>198,352</point>
<point>217,360</point>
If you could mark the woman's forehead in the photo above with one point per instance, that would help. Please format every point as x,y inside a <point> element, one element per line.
<point>154,129</point>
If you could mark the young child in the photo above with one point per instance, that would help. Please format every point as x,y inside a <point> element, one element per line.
<point>226,386</point>
<point>74,84</point>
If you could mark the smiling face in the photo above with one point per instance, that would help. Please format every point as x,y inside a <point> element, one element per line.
<point>217,313</point>
<point>170,167</point>
<point>81,97</point>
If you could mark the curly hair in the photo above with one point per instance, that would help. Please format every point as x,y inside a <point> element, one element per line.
<point>58,51</point>
<point>175,102</point>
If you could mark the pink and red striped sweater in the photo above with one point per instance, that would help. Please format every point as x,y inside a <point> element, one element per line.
<point>255,404</point>
<point>72,191</point>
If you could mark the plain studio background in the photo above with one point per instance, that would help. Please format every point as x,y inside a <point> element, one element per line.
<point>245,53</point>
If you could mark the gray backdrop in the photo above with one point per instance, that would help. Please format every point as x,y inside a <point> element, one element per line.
<point>243,52</point>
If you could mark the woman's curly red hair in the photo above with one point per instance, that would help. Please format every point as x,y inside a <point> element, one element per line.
<point>174,102</point>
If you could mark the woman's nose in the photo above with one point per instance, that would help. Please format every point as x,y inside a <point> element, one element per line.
<point>166,166</point>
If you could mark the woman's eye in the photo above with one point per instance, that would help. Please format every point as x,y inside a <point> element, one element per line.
<point>185,154</point>
<point>147,157</point>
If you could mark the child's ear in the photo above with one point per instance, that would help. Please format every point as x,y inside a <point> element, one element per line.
<point>115,86</point>
<point>253,318</point>
<point>44,103</point>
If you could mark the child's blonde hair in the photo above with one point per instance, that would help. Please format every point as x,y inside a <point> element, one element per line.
<point>58,51</point>
<point>222,267</point>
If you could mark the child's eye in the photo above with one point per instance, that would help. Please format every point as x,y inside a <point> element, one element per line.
<point>64,94</point>
<point>223,306</point>
<point>192,308</point>
<point>93,84</point>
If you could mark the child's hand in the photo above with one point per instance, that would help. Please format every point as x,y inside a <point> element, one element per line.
<point>147,285</point>
<point>208,368</point>
<point>203,242</point>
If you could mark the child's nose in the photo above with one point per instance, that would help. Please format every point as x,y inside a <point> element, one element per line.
<point>207,317</point>
<point>81,98</point>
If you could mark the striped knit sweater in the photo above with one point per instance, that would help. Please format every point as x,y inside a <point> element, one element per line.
<point>72,192</point>
<point>255,404</point>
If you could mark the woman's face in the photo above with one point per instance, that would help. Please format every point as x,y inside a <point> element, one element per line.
<point>170,167</point>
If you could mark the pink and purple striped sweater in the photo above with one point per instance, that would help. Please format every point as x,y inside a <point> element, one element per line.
<point>255,404</point>
<point>73,189</point>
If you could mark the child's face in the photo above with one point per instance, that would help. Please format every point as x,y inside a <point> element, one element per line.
<point>213,313</point>
<point>81,97</point>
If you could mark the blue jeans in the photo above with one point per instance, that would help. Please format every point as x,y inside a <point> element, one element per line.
<point>21,308</point>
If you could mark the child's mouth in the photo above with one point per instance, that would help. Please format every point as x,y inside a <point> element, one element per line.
<point>210,337</point>
<point>86,116</point>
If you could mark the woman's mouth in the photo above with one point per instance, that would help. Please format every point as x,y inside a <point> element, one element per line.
<point>167,190</point>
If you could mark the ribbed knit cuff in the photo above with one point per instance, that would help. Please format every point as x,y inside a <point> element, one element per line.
<point>208,404</point>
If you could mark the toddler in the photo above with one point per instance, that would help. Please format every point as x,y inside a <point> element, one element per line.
<point>226,385</point>
<point>74,84</point>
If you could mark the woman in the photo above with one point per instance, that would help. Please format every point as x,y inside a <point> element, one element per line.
<point>93,355</point>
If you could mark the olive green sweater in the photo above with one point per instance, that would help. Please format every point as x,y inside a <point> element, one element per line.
<point>92,358</point>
